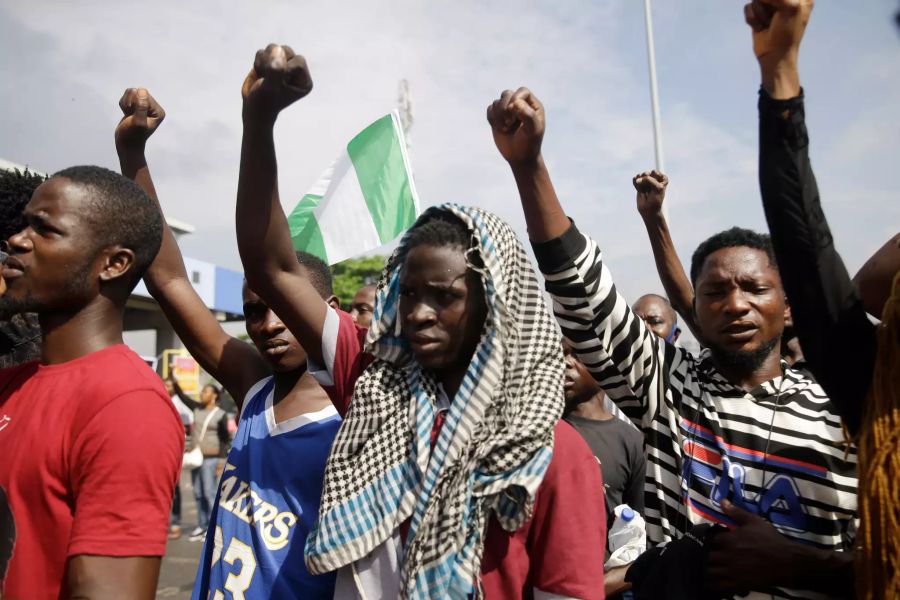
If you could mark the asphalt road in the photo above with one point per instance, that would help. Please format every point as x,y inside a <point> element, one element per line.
<point>179,566</point>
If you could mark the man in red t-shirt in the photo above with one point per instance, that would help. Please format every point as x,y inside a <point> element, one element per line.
<point>446,449</point>
<point>91,443</point>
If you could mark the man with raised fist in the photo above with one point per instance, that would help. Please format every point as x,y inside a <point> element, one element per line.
<point>734,437</point>
<point>270,488</point>
<point>452,475</point>
<point>89,486</point>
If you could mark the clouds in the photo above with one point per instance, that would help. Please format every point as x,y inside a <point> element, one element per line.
<point>585,60</point>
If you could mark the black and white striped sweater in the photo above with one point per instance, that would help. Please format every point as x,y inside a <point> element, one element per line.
<point>778,450</point>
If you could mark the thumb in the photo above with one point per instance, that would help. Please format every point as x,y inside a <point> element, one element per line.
<point>740,516</point>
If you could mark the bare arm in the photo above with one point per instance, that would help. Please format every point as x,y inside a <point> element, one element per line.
<point>278,78</point>
<point>651,191</point>
<point>108,577</point>
<point>875,277</point>
<point>187,400</point>
<point>232,362</point>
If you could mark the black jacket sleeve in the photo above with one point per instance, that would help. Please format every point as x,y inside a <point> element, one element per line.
<point>837,338</point>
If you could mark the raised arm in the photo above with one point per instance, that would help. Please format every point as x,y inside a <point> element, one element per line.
<point>613,343</point>
<point>651,192</point>
<point>837,338</point>
<point>235,364</point>
<point>278,78</point>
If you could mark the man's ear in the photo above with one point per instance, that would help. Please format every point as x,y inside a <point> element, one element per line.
<point>117,262</point>
<point>333,302</point>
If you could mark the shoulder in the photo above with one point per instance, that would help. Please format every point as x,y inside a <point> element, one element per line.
<point>256,394</point>
<point>10,374</point>
<point>570,452</point>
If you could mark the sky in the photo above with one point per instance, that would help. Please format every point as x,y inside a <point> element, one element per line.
<point>65,66</point>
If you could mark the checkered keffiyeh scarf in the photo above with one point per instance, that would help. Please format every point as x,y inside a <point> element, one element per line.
<point>491,453</point>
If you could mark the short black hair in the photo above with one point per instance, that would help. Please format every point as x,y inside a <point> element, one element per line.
<point>16,188</point>
<point>442,229</point>
<point>731,238</point>
<point>119,213</point>
<point>319,273</point>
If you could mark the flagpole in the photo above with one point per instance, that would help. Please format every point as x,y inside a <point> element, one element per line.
<point>654,90</point>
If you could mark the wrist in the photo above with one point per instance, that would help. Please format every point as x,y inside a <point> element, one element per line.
<point>780,76</point>
<point>255,120</point>
<point>529,167</point>
<point>131,150</point>
<point>652,216</point>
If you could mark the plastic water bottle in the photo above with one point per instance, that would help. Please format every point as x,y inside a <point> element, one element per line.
<point>627,537</point>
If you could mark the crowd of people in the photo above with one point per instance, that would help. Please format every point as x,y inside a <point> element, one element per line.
<point>474,425</point>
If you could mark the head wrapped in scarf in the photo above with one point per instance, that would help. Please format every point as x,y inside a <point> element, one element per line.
<point>492,451</point>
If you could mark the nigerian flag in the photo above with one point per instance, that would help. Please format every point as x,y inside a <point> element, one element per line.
<point>366,198</point>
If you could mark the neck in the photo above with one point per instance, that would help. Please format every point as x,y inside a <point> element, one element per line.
<point>71,335</point>
<point>750,377</point>
<point>287,382</point>
<point>593,409</point>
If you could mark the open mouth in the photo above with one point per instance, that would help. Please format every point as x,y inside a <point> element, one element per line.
<point>740,331</point>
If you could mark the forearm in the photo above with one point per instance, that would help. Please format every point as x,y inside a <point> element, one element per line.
<point>671,272</point>
<point>263,233</point>
<point>614,581</point>
<point>544,215</point>
<point>168,263</point>
<point>264,242</point>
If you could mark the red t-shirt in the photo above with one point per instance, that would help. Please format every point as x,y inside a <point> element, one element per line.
<point>560,550</point>
<point>91,451</point>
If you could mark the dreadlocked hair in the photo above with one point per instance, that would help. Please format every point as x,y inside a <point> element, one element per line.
<point>16,188</point>
<point>878,563</point>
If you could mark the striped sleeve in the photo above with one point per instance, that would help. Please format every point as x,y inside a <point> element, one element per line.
<point>630,363</point>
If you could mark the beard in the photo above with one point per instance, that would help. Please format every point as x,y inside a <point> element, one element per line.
<point>745,361</point>
<point>75,289</point>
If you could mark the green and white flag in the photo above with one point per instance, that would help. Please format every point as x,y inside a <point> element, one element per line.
<point>365,199</point>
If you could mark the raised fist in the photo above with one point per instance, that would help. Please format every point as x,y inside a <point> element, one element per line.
<point>651,191</point>
<point>278,79</point>
<point>142,114</point>
<point>517,122</point>
<point>778,27</point>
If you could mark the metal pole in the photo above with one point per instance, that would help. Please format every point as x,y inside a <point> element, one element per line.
<point>654,91</point>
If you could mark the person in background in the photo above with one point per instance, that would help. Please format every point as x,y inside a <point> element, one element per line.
<point>210,434</point>
<point>658,314</point>
<point>363,306</point>
<point>20,333</point>
<point>92,445</point>
<point>735,437</point>
<point>185,406</point>
<point>617,445</point>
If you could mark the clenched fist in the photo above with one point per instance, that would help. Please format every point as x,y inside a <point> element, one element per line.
<point>778,27</point>
<point>517,122</point>
<point>279,78</point>
<point>142,114</point>
<point>651,191</point>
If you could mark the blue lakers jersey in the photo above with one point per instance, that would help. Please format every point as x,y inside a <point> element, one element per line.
<point>268,500</point>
